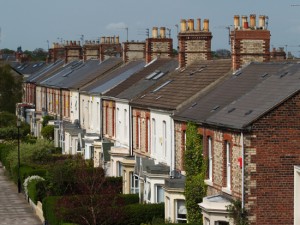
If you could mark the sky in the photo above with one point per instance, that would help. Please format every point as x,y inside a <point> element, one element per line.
<point>33,24</point>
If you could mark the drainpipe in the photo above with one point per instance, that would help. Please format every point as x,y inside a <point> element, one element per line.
<point>46,99</point>
<point>101,119</point>
<point>79,108</point>
<point>130,130</point>
<point>172,167</point>
<point>60,104</point>
<point>243,171</point>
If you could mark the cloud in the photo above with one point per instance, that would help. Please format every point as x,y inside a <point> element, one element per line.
<point>113,26</point>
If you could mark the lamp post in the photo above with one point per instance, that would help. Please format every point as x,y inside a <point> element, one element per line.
<point>19,180</point>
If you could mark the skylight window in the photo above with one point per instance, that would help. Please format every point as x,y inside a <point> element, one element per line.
<point>158,76</point>
<point>35,65</point>
<point>161,86</point>
<point>264,75</point>
<point>231,110</point>
<point>249,112</point>
<point>215,108</point>
<point>284,74</point>
<point>150,76</point>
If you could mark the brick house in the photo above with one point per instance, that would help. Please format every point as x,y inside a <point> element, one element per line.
<point>250,138</point>
<point>153,112</point>
<point>122,160</point>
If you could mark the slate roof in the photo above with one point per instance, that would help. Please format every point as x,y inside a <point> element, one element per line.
<point>45,72</point>
<point>183,84</point>
<point>110,80</point>
<point>246,96</point>
<point>27,68</point>
<point>79,73</point>
<point>137,83</point>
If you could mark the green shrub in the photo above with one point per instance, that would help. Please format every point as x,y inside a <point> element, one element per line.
<point>26,171</point>
<point>49,210</point>
<point>129,199</point>
<point>7,119</point>
<point>48,132</point>
<point>46,120</point>
<point>36,190</point>
<point>143,213</point>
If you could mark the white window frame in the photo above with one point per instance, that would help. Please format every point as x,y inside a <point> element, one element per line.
<point>178,219</point>
<point>139,132</point>
<point>153,146</point>
<point>210,167</point>
<point>134,183</point>
<point>228,166</point>
<point>148,135</point>
<point>125,123</point>
<point>157,189</point>
<point>164,138</point>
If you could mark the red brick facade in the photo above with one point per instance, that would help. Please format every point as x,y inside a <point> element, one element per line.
<point>141,133</point>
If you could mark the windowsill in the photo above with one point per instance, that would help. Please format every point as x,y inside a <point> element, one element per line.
<point>226,190</point>
<point>209,182</point>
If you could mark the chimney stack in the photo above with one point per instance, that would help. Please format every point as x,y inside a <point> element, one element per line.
<point>183,25</point>
<point>154,32</point>
<point>206,25</point>
<point>162,32</point>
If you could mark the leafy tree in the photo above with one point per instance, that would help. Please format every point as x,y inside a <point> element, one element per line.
<point>46,119</point>
<point>10,89</point>
<point>94,200</point>
<point>195,167</point>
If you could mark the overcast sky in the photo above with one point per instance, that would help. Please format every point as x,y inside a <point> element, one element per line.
<point>30,23</point>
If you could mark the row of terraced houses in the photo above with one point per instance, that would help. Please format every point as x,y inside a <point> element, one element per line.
<point>127,105</point>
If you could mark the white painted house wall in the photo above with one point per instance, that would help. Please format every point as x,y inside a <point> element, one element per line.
<point>74,105</point>
<point>162,141</point>
<point>122,124</point>
<point>90,113</point>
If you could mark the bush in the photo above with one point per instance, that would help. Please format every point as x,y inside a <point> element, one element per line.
<point>129,199</point>
<point>49,210</point>
<point>36,190</point>
<point>5,149</point>
<point>143,213</point>
<point>7,119</point>
<point>46,120</point>
<point>26,171</point>
<point>48,132</point>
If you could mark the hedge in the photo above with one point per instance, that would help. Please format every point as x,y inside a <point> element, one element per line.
<point>49,210</point>
<point>143,213</point>
<point>36,190</point>
<point>130,198</point>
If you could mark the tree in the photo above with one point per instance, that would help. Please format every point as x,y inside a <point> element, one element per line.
<point>94,200</point>
<point>195,167</point>
<point>48,132</point>
<point>10,89</point>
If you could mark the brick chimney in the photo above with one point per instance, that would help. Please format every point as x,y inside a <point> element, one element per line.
<point>158,47</point>
<point>91,50</point>
<point>56,52</point>
<point>110,47</point>
<point>194,44</point>
<point>73,51</point>
<point>134,50</point>
<point>249,43</point>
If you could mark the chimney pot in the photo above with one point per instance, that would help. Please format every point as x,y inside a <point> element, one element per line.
<point>162,32</point>
<point>191,24</point>
<point>262,21</point>
<point>206,25</point>
<point>154,32</point>
<point>252,20</point>
<point>102,40</point>
<point>244,20</point>
<point>236,22</point>
<point>117,39</point>
<point>183,25</point>
<point>198,24</point>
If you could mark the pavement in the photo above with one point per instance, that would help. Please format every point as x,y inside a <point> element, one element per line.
<point>14,209</point>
